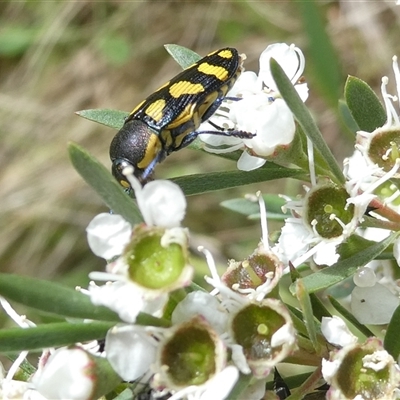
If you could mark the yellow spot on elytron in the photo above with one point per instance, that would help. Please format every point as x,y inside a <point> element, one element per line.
<point>220,73</point>
<point>137,107</point>
<point>155,110</point>
<point>225,54</point>
<point>152,148</point>
<point>184,116</point>
<point>185,87</point>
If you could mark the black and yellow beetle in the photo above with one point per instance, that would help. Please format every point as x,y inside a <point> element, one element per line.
<point>167,120</point>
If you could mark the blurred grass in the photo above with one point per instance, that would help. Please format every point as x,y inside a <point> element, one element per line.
<point>60,57</point>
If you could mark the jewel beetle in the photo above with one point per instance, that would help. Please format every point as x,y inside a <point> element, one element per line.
<point>169,118</point>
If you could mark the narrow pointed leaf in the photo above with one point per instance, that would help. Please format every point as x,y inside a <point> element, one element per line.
<point>183,56</point>
<point>241,385</point>
<point>111,118</point>
<point>101,180</point>
<point>251,208</point>
<point>392,342</point>
<point>319,310</point>
<point>350,317</point>
<point>202,183</point>
<point>347,117</point>
<point>305,304</point>
<point>324,60</point>
<point>344,268</point>
<point>51,335</point>
<point>52,297</point>
<point>304,118</point>
<point>364,104</point>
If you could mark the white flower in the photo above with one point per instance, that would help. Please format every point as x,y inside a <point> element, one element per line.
<point>131,288</point>
<point>130,350</point>
<point>108,234</point>
<point>161,202</point>
<point>201,303</point>
<point>336,331</point>
<point>66,375</point>
<point>378,147</point>
<point>373,305</point>
<point>217,388</point>
<point>396,250</point>
<point>260,110</point>
<point>126,299</point>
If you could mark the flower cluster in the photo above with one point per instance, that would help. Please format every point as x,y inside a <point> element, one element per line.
<point>176,340</point>
<point>261,110</point>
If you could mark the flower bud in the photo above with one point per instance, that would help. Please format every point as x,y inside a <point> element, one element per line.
<point>75,374</point>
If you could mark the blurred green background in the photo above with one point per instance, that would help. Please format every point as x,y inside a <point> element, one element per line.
<point>60,57</point>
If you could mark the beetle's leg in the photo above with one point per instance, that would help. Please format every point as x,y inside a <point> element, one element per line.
<point>148,171</point>
<point>214,106</point>
<point>193,135</point>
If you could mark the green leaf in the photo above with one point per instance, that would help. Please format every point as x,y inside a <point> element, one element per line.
<point>343,268</point>
<point>202,183</point>
<point>104,184</point>
<point>319,309</point>
<point>251,208</point>
<point>305,304</point>
<point>112,118</point>
<point>52,297</point>
<point>347,117</point>
<point>241,385</point>
<point>304,118</point>
<point>364,104</point>
<point>392,342</point>
<point>350,317</point>
<point>298,320</point>
<point>51,335</point>
<point>353,244</point>
<point>326,67</point>
<point>183,56</point>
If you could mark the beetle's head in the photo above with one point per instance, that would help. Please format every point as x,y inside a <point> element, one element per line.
<point>136,145</point>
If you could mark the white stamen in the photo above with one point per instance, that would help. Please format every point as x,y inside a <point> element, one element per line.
<point>20,320</point>
<point>222,151</point>
<point>396,74</point>
<point>302,63</point>
<point>385,177</point>
<point>263,218</point>
<point>311,164</point>
<point>105,276</point>
<point>392,198</point>
<point>135,184</point>
<point>210,262</point>
<point>390,110</point>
